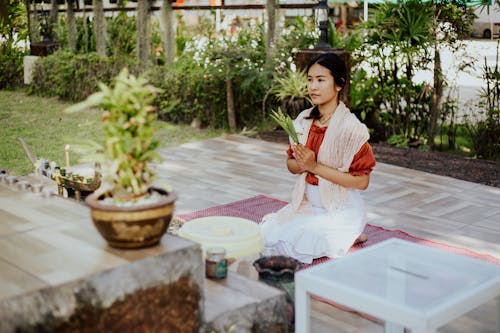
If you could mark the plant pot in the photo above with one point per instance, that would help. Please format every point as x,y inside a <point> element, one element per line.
<point>294,106</point>
<point>276,268</point>
<point>134,226</point>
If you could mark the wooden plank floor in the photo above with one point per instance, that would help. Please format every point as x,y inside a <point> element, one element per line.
<point>230,168</point>
<point>437,208</point>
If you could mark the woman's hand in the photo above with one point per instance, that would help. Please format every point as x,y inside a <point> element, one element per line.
<point>306,158</point>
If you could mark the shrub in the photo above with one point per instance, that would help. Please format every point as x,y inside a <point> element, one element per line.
<point>73,77</point>
<point>485,131</point>
<point>300,33</point>
<point>395,49</point>
<point>194,86</point>
<point>13,37</point>
<point>189,87</point>
<point>11,68</point>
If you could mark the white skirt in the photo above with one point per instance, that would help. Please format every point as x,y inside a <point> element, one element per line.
<point>311,232</point>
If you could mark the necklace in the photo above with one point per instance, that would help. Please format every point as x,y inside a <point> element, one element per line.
<point>323,122</point>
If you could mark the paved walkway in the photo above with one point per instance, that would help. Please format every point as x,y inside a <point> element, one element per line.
<point>437,208</point>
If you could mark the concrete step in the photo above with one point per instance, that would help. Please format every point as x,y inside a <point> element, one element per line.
<point>238,304</point>
<point>159,288</point>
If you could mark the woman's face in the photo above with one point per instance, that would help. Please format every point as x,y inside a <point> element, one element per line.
<point>321,86</point>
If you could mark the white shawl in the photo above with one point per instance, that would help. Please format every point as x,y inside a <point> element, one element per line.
<point>344,137</point>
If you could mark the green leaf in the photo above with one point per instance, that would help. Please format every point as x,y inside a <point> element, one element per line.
<point>286,123</point>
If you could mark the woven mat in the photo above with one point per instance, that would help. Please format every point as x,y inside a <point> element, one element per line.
<point>256,207</point>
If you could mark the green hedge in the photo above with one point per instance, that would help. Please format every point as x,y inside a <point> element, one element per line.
<point>73,77</point>
<point>11,68</point>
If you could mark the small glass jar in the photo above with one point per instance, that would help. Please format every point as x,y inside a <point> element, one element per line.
<point>216,263</point>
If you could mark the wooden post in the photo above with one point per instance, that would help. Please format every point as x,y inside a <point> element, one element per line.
<point>168,26</point>
<point>231,116</point>
<point>99,28</point>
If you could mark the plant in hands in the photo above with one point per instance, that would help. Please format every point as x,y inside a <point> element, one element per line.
<point>128,130</point>
<point>287,124</point>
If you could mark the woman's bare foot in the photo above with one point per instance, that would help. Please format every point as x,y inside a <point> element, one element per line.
<point>361,239</point>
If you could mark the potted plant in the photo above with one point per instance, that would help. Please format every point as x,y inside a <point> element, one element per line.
<point>127,210</point>
<point>291,90</point>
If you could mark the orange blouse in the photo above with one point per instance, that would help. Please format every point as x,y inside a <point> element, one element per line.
<point>362,163</point>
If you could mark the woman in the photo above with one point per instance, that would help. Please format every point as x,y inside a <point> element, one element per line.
<point>333,161</point>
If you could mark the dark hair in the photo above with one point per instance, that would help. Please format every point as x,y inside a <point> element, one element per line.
<point>333,63</point>
<point>337,68</point>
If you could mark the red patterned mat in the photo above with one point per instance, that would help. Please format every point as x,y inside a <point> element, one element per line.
<point>256,207</point>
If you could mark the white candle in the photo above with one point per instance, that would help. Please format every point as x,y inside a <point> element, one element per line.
<point>66,152</point>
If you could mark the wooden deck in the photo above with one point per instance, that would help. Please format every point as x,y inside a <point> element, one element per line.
<point>231,168</point>
<point>437,208</point>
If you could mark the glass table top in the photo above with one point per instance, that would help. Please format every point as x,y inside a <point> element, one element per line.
<point>408,274</point>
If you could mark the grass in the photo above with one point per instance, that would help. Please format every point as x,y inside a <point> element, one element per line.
<point>42,123</point>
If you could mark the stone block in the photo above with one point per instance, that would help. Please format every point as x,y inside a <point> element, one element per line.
<point>162,293</point>
<point>242,305</point>
<point>29,65</point>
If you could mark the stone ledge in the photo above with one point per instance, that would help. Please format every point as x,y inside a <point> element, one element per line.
<point>241,305</point>
<point>146,293</point>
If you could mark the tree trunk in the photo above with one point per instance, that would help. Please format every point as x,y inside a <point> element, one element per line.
<point>28,17</point>
<point>409,100</point>
<point>271,9</point>
<point>4,11</point>
<point>143,35</point>
<point>395,100</point>
<point>168,26</point>
<point>231,116</point>
<point>34,24</point>
<point>343,17</point>
<point>85,30</point>
<point>99,28</point>
<point>70,19</point>
<point>452,133</point>
<point>54,12</point>
<point>436,97</point>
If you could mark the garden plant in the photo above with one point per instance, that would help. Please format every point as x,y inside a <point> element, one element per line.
<point>227,81</point>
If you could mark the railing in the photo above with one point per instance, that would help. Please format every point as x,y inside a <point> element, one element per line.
<point>199,7</point>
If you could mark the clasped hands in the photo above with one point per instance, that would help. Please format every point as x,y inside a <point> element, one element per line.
<point>305,157</point>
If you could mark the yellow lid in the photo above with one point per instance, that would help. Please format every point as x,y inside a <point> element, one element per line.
<point>240,237</point>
